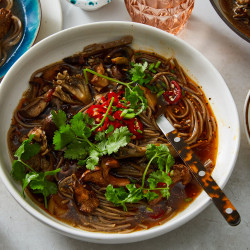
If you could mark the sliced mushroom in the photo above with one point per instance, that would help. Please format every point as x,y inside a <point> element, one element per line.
<point>151,98</point>
<point>40,137</point>
<point>107,164</point>
<point>131,150</point>
<point>101,175</point>
<point>181,173</point>
<point>120,60</point>
<point>85,199</point>
<point>94,176</point>
<point>63,96</point>
<point>75,85</point>
<point>99,82</point>
<point>50,73</point>
<point>57,205</point>
<point>34,108</point>
<point>243,1</point>
<point>116,72</point>
<point>49,127</point>
<point>95,48</point>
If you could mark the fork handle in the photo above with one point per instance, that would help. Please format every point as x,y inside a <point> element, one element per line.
<point>204,178</point>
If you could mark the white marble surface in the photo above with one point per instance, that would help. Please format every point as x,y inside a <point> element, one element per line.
<point>231,56</point>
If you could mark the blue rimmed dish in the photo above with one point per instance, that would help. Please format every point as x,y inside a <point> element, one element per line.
<point>29,12</point>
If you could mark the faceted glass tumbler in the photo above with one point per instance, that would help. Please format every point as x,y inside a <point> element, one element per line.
<point>168,15</point>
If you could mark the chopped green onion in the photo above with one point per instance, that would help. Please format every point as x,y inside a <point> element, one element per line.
<point>189,199</point>
<point>172,173</point>
<point>139,131</point>
<point>151,66</point>
<point>149,209</point>
<point>157,64</point>
<point>124,112</point>
<point>129,116</point>
<point>160,93</point>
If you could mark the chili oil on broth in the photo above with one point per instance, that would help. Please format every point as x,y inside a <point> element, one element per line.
<point>106,217</point>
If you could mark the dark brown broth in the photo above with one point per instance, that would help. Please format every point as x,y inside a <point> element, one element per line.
<point>227,7</point>
<point>181,196</point>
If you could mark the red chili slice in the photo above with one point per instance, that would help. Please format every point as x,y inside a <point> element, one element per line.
<point>97,112</point>
<point>161,184</point>
<point>173,96</point>
<point>117,115</point>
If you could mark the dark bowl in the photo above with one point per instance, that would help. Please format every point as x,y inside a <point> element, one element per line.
<point>223,16</point>
<point>30,15</point>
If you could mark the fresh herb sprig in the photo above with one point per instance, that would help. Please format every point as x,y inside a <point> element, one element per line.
<point>74,138</point>
<point>37,181</point>
<point>141,73</point>
<point>133,94</point>
<point>138,73</point>
<point>158,155</point>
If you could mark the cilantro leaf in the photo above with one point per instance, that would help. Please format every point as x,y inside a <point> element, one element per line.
<point>76,150</point>
<point>138,74</point>
<point>79,126</point>
<point>161,155</point>
<point>28,178</point>
<point>27,149</point>
<point>63,137</point>
<point>36,181</point>
<point>59,118</point>
<point>91,162</point>
<point>18,170</point>
<point>135,96</point>
<point>158,155</point>
<point>120,138</point>
<point>100,136</point>
<point>110,129</point>
<point>151,196</point>
<point>160,176</point>
<point>119,196</point>
<point>39,184</point>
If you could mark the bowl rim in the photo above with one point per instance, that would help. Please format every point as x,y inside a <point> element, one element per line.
<point>114,238</point>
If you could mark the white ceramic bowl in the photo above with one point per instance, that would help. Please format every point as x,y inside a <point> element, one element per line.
<point>68,42</point>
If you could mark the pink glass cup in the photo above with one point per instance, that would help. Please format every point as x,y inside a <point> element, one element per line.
<point>168,15</point>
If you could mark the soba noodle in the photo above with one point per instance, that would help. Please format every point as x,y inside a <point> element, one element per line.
<point>191,115</point>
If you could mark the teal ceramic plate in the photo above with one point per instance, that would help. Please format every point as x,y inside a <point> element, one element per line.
<point>29,12</point>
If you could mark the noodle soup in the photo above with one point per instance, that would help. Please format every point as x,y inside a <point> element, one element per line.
<point>11,31</point>
<point>86,147</point>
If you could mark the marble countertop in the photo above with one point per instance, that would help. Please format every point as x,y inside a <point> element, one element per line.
<point>230,54</point>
